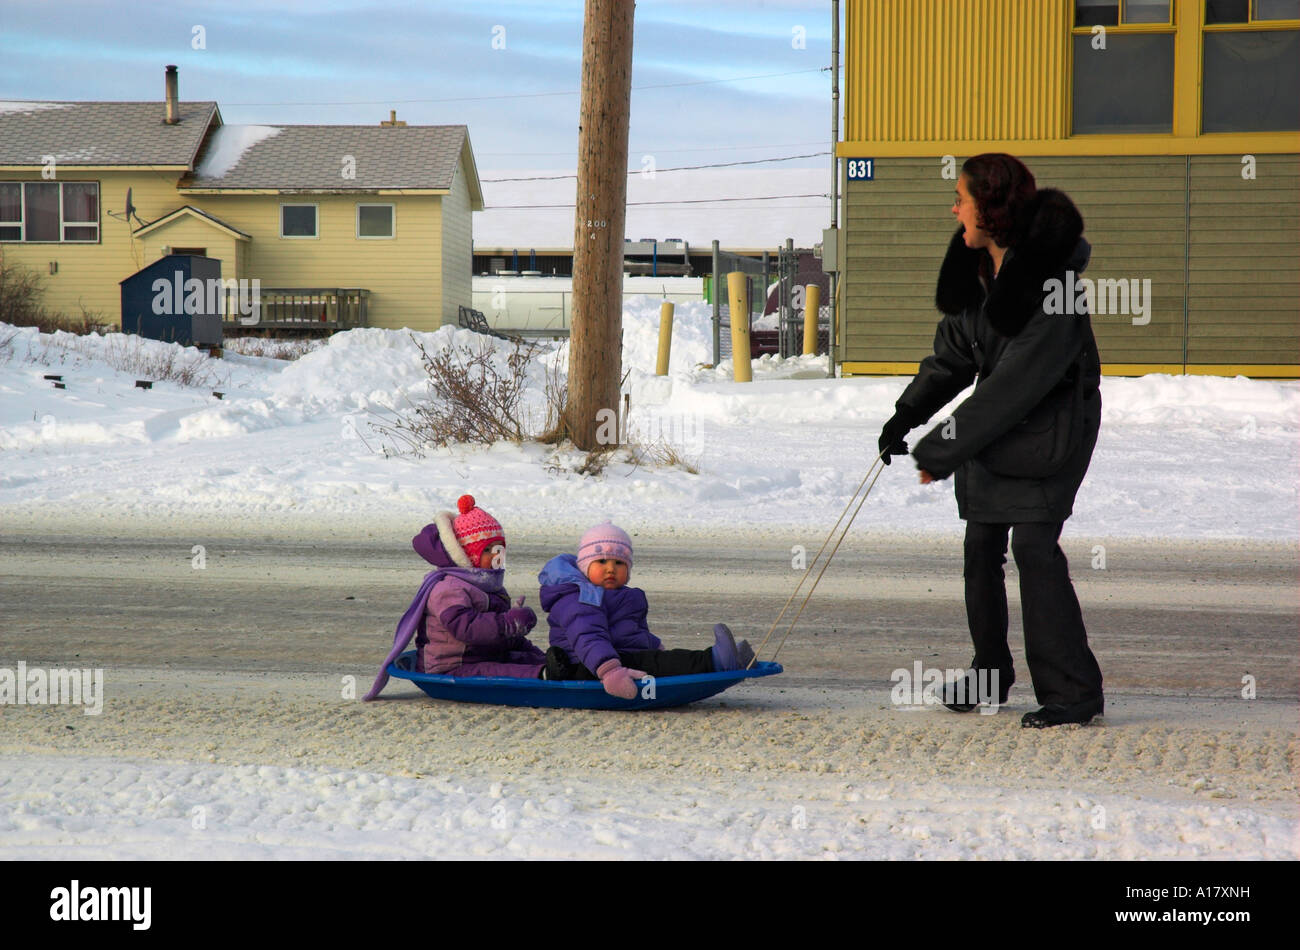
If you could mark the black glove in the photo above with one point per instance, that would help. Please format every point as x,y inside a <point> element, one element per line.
<point>891,442</point>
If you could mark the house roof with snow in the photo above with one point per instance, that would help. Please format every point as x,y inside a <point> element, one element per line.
<point>98,134</point>
<point>334,158</point>
<point>236,158</point>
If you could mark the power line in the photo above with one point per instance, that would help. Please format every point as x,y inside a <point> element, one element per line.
<point>679,168</point>
<point>669,148</point>
<point>525,95</point>
<point>680,201</point>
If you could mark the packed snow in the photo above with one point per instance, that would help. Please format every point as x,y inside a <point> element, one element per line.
<point>142,810</point>
<point>296,441</point>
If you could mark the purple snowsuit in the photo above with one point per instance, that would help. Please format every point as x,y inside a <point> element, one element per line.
<point>462,632</point>
<point>591,624</point>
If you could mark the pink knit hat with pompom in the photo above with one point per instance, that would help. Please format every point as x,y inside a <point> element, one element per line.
<point>476,530</point>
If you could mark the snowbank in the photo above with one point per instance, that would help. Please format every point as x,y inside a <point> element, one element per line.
<point>1178,457</point>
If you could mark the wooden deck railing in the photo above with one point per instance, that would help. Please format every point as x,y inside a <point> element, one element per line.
<point>324,308</point>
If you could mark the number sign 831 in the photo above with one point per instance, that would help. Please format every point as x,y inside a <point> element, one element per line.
<point>862,169</point>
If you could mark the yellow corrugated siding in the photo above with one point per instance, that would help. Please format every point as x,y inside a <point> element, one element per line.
<point>935,77</point>
<point>938,70</point>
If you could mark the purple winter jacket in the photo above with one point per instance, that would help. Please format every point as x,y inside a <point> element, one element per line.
<point>589,623</point>
<point>464,621</point>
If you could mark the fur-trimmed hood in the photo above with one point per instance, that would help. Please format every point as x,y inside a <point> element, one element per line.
<point>1048,241</point>
<point>437,543</point>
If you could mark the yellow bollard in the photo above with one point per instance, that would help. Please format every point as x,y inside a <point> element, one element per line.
<point>665,337</point>
<point>737,291</point>
<point>812,307</point>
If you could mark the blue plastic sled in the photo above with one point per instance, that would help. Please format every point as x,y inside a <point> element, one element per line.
<point>571,694</point>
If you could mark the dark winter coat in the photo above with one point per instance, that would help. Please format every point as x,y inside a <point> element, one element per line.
<point>591,624</point>
<point>1022,441</point>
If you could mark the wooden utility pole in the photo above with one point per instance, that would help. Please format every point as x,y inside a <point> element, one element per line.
<point>595,339</point>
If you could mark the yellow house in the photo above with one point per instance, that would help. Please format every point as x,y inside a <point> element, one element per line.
<point>340,225</point>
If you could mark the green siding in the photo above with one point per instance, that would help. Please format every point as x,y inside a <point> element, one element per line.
<point>1222,255</point>
<point>1245,265</point>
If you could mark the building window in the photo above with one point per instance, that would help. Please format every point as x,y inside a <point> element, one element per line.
<point>1091,13</point>
<point>298,221</point>
<point>1251,78</point>
<point>1123,75</point>
<point>49,211</point>
<point>376,221</point>
<point>1250,11</point>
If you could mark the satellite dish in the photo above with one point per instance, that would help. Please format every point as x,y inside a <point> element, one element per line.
<point>129,212</point>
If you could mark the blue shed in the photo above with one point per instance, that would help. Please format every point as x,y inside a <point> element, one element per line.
<point>177,299</point>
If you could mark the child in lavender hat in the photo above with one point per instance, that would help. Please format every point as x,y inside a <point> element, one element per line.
<point>598,623</point>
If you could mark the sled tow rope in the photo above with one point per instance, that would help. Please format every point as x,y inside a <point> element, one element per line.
<point>877,467</point>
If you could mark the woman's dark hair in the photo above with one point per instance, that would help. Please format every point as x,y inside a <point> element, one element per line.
<point>1001,186</point>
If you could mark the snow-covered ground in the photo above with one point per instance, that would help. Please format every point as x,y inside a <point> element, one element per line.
<point>242,766</point>
<point>290,451</point>
<point>291,444</point>
<point>111,808</point>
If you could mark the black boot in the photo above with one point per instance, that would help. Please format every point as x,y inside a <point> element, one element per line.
<point>967,698</point>
<point>1055,714</point>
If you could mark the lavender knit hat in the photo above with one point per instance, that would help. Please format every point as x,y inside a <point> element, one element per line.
<point>604,541</point>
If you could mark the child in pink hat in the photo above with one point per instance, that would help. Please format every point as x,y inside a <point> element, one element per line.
<point>462,618</point>
<point>598,623</point>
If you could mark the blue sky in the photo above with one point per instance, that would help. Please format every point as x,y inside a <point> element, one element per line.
<point>341,62</point>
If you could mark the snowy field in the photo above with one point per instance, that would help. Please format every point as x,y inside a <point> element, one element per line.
<point>266,768</point>
<point>291,449</point>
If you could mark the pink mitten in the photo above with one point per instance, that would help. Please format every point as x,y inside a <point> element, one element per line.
<point>618,680</point>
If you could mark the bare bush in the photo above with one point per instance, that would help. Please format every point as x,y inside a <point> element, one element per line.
<point>477,397</point>
<point>20,296</point>
<point>20,305</point>
<point>557,404</point>
<point>661,454</point>
<point>126,353</point>
<point>288,348</point>
<point>472,399</point>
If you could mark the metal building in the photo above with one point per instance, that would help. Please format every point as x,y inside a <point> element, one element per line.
<point>1173,124</point>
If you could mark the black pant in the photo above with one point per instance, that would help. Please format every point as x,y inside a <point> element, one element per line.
<point>1061,665</point>
<point>559,666</point>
